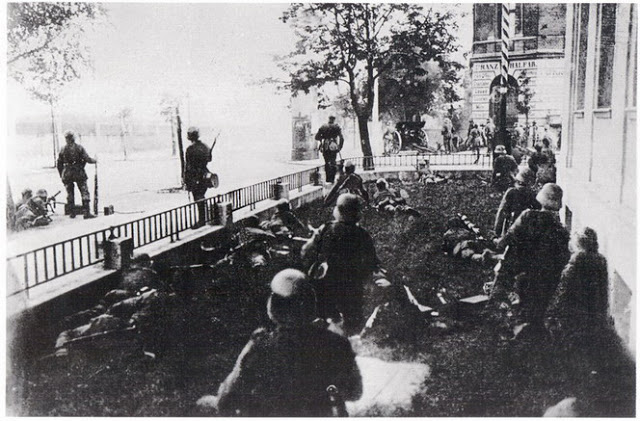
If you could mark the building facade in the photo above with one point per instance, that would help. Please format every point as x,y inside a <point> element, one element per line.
<point>536,57</point>
<point>597,162</point>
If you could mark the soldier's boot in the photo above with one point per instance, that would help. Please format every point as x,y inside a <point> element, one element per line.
<point>86,210</point>
<point>71,208</point>
<point>67,209</point>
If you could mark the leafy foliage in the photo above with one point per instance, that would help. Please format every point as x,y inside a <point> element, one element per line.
<point>524,94</point>
<point>359,43</point>
<point>45,45</point>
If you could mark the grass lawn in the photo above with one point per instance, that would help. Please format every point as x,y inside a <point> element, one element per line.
<point>474,370</point>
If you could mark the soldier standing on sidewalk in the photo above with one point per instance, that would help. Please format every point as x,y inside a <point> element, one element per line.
<point>197,158</point>
<point>71,163</point>
<point>331,141</point>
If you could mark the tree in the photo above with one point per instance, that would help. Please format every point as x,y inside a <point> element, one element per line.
<point>406,94</point>
<point>45,47</point>
<point>124,117</point>
<point>168,107</point>
<point>357,43</point>
<point>525,94</point>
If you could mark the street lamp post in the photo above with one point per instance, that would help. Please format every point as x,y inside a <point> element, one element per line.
<point>503,132</point>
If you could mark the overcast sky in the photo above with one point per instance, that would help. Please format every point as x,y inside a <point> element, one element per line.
<point>212,53</point>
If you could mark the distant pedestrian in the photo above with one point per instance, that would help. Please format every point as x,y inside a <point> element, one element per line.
<point>285,370</point>
<point>489,134</point>
<point>198,156</point>
<point>446,139</point>
<point>475,141</point>
<point>390,144</point>
<point>519,134</point>
<point>471,126</point>
<point>71,162</point>
<point>331,141</point>
<point>534,135</point>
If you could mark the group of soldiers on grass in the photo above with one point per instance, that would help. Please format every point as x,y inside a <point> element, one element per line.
<point>302,364</point>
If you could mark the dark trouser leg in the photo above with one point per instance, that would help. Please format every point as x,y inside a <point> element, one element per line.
<point>71,200</point>
<point>330,165</point>
<point>350,303</point>
<point>535,297</point>
<point>198,194</point>
<point>86,199</point>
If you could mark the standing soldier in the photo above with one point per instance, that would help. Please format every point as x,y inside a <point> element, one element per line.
<point>331,141</point>
<point>71,162</point>
<point>195,172</point>
<point>533,134</point>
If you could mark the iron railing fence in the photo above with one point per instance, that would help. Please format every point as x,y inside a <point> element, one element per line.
<point>52,261</point>
<point>434,159</point>
<point>44,264</point>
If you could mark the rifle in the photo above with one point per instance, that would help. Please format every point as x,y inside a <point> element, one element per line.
<point>338,407</point>
<point>213,145</point>
<point>95,190</point>
<point>51,202</point>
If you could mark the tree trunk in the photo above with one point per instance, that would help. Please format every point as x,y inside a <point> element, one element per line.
<point>11,207</point>
<point>123,131</point>
<point>180,146</point>
<point>365,143</point>
<point>54,133</point>
<point>173,138</point>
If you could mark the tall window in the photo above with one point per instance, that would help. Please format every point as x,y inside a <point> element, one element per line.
<point>530,19</point>
<point>518,19</point>
<point>582,55</point>
<point>484,25</point>
<point>632,58</point>
<point>607,43</point>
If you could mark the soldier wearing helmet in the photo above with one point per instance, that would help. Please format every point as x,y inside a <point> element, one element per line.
<point>349,182</point>
<point>538,252</point>
<point>286,370</point>
<point>345,256</point>
<point>32,214</point>
<point>505,168</point>
<point>197,158</point>
<point>516,200</point>
<point>285,221</point>
<point>331,141</point>
<point>71,163</point>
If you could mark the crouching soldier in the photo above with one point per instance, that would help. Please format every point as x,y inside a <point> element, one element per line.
<point>505,168</point>
<point>32,214</point>
<point>284,221</point>
<point>580,306</point>
<point>350,182</point>
<point>516,200</point>
<point>71,163</point>
<point>538,252</point>
<point>286,370</point>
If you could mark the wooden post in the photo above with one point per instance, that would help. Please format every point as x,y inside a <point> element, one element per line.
<point>54,133</point>
<point>180,146</point>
